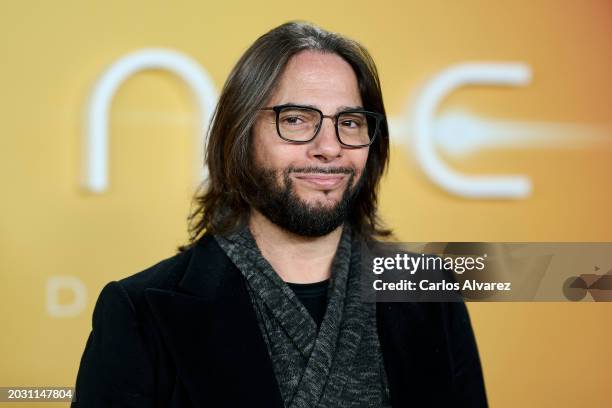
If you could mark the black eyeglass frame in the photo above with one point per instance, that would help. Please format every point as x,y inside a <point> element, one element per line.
<point>279,108</point>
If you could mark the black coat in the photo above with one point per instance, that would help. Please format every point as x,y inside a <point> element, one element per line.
<point>183,333</point>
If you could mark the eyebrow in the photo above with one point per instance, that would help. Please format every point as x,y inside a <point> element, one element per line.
<point>340,108</point>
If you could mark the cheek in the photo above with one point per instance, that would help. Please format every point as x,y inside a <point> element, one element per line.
<point>274,157</point>
<point>270,152</point>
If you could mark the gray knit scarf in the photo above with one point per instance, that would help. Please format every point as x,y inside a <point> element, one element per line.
<point>338,366</point>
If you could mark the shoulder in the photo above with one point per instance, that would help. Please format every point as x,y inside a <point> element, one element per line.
<point>126,297</point>
<point>201,262</point>
<point>120,352</point>
<point>165,274</point>
<point>168,272</point>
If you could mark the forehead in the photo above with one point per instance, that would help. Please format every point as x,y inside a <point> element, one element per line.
<point>324,80</point>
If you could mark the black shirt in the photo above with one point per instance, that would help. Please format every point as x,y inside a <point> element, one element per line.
<point>314,298</point>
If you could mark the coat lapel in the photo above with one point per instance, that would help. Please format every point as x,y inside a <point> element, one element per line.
<point>210,328</point>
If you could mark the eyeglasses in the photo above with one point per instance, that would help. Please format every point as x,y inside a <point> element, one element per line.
<point>301,124</point>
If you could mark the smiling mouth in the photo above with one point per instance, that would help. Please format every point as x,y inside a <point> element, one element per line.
<point>326,181</point>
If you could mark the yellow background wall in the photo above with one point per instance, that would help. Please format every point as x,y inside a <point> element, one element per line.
<point>533,355</point>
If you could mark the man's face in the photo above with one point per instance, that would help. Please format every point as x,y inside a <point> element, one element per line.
<point>308,188</point>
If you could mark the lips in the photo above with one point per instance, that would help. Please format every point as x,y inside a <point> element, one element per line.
<point>327,181</point>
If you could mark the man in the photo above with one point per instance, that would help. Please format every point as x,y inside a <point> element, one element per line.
<point>262,308</point>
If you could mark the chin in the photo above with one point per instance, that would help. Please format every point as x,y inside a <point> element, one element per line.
<point>321,199</point>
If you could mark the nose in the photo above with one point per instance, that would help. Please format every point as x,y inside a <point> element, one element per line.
<point>326,146</point>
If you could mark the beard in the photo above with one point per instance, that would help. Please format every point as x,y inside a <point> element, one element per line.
<point>282,205</point>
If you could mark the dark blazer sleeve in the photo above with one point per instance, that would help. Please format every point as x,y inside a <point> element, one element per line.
<point>117,367</point>
<point>467,379</point>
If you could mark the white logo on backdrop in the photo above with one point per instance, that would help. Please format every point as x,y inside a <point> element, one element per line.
<point>472,186</point>
<point>55,285</point>
<point>95,158</point>
<point>459,133</point>
<point>455,132</point>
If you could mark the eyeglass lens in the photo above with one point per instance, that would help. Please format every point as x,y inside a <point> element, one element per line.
<point>301,124</point>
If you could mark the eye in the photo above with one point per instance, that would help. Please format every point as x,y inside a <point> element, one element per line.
<point>297,118</point>
<point>351,122</point>
<point>292,120</point>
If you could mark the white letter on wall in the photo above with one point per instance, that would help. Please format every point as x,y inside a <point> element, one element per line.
<point>96,132</point>
<point>487,186</point>
<point>57,283</point>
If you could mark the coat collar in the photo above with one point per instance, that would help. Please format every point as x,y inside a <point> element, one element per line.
<point>209,326</point>
<point>208,270</point>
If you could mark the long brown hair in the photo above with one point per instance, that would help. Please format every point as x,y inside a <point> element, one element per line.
<point>220,203</point>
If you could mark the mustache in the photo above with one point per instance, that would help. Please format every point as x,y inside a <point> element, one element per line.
<point>322,170</point>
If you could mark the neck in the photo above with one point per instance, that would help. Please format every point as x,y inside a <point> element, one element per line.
<point>295,258</point>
